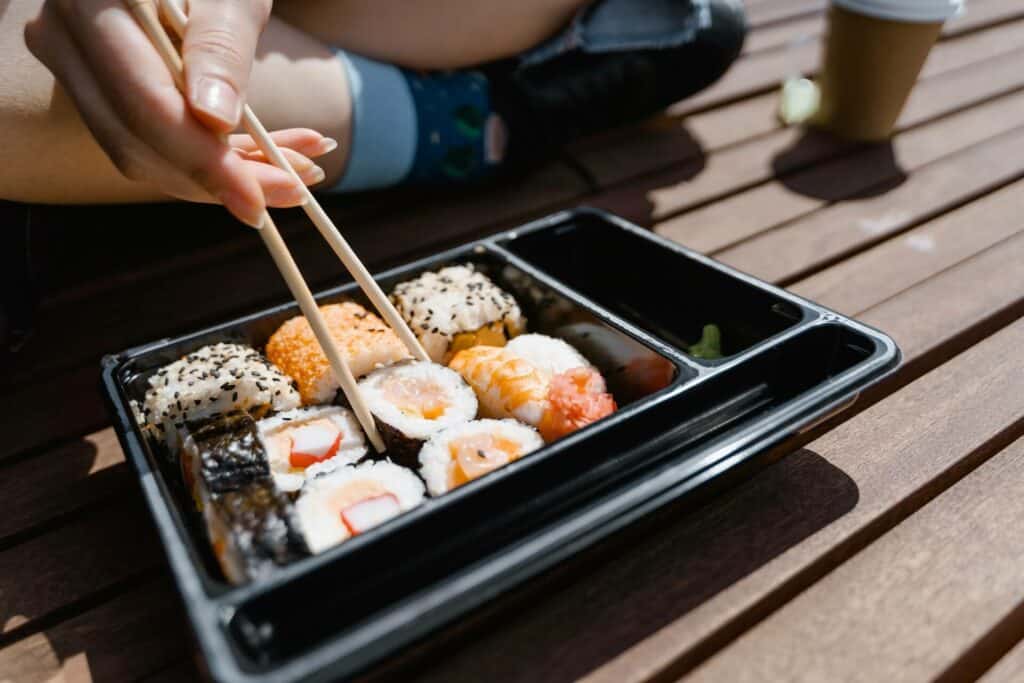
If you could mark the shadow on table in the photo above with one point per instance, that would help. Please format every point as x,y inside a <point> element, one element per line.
<point>869,171</point>
<point>665,145</point>
<point>648,577</point>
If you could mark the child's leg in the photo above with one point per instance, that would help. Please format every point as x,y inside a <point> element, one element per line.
<point>431,34</point>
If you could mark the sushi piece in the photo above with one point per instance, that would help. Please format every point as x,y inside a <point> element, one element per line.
<point>457,308</point>
<point>509,386</point>
<point>254,530</point>
<point>550,355</point>
<point>222,454</point>
<point>211,382</point>
<point>361,337</point>
<point>412,401</point>
<point>351,500</point>
<point>576,398</point>
<point>468,451</point>
<point>301,441</point>
<point>250,523</point>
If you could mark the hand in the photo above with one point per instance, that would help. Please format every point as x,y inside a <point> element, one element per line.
<point>151,132</point>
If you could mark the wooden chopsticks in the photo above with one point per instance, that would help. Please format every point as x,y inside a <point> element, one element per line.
<point>177,19</point>
<point>145,13</point>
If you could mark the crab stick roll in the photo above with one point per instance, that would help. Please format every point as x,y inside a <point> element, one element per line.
<point>509,386</point>
<point>351,500</point>
<point>302,442</point>
<point>361,337</point>
<point>456,308</point>
<point>414,400</point>
<point>468,451</point>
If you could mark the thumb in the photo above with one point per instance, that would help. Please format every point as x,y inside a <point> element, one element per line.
<point>218,51</point>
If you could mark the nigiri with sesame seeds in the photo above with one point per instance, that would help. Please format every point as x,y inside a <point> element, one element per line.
<point>209,382</point>
<point>456,308</point>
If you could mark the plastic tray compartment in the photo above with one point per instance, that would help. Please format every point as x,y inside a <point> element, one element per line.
<point>682,423</point>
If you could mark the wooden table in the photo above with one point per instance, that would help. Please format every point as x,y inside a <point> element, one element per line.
<point>886,545</point>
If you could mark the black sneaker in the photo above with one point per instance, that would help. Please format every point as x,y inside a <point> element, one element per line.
<point>576,93</point>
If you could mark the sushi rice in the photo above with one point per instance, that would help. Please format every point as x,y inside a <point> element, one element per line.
<point>351,500</point>
<point>465,452</point>
<point>361,337</point>
<point>303,441</point>
<point>211,382</point>
<point>456,308</point>
<point>550,355</point>
<point>412,401</point>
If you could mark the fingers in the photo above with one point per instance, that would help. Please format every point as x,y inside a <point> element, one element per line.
<point>143,95</point>
<point>218,49</point>
<point>308,172</point>
<point>305,141</point>
<point>49,40</point>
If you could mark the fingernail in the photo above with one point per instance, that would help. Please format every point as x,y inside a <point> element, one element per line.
<point>242,209</point>
<point>314,175</point>
<point>326,145</point>
<point>291,195</point>
<point>218,99</point>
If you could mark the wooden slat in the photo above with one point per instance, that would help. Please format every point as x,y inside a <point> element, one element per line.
<point>43,490</point>
<point>766,70</point>
<point>901,262</point>
<point>908,606</point>
<point>132,635</point>
<point>52,410</point>
<point>1009,669</point>
<point>752,214</point>
<point>88,555</point>
<point>696,580</point>
<point>660,195</point>
<point>776,11</point>
<point>974,297</point>
<point>842,229</point>
<point>979,14</point>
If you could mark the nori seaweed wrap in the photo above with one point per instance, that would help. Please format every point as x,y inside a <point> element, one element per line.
<point>254,530</point>
<point>226,453</point>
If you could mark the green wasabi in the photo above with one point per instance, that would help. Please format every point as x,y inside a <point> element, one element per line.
<point>710,345</point>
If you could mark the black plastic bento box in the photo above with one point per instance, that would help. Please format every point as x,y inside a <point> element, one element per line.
<point>633,303</point>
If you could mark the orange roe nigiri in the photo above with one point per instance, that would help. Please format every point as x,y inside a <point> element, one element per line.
<point>576,398</point>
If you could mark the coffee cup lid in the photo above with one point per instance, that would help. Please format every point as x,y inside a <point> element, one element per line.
<point>905,10</point>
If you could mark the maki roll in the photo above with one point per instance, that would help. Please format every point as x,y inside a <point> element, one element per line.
<point>253,530</point>
<point>467,451</point>
<point>250,523</point>
<point>550,355</point>
<point>301,442</point>
<point>351,500</point>
<point>361,337</point>
<point>457,308</point>
<point>509,386</point>
<point>222,455</point>
<point>414,400</point>
<point>211,382</point>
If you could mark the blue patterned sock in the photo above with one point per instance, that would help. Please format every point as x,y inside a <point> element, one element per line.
<point>409,127</point>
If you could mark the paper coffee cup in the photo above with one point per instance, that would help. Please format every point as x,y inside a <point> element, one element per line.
<point>873,54</point>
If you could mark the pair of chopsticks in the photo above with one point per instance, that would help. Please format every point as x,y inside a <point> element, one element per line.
<point>145,13</point>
